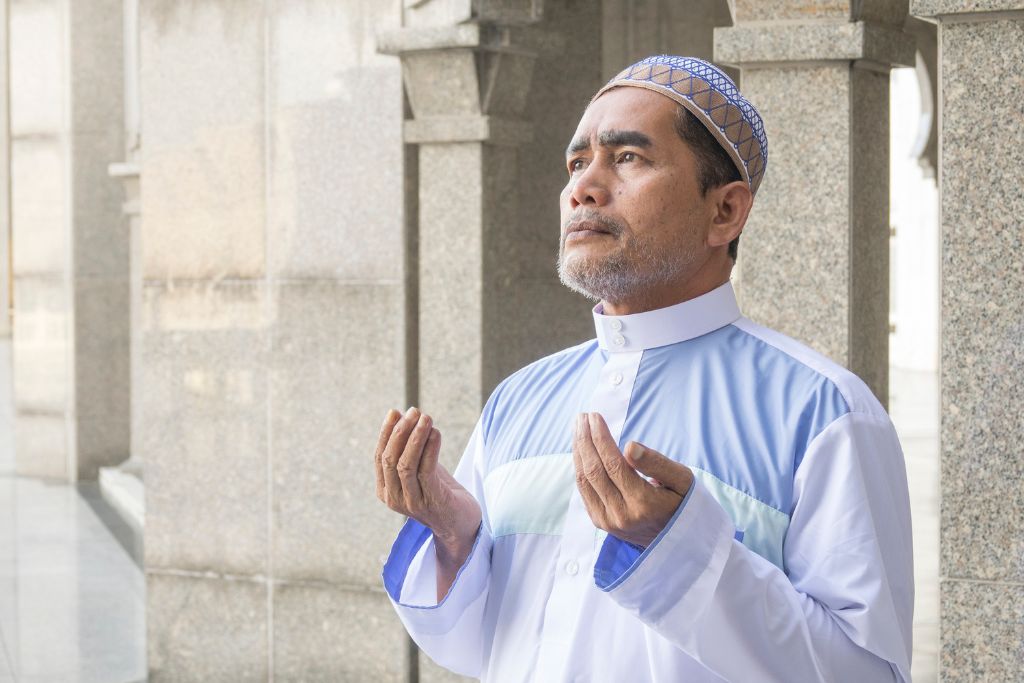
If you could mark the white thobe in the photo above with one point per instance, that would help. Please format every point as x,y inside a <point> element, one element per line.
<point>789,560</point>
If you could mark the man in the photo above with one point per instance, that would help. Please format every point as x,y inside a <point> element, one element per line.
<point>689,497</point>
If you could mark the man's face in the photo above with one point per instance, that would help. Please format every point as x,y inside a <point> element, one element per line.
<point>633,218</point>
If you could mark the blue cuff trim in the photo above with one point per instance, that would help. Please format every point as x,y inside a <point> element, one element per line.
<point>410,539</point>
<point>619,559</point>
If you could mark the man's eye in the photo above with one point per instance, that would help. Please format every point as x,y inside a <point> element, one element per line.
<point>627,157</point>
<point>575,165</point>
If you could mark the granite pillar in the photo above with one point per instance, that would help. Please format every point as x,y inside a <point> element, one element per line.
<point>981,96</point>
<point>493,106</point>
<point>70,260</point>
<point>814,257</point>
<point>273,337</point>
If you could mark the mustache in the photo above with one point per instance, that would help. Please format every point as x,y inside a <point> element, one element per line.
<point>587,219</point>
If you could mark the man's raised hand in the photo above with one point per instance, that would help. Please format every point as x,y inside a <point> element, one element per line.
<point>410,481</point>
<point>618,499</point>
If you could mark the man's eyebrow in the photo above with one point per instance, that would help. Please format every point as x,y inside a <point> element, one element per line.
<point>611,138</point>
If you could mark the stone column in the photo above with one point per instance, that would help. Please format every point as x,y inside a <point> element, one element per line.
<point>814,258</point>
<point>492,113</point>
<point>494,102</point>
<point>981,96</point>
<point>70,239</point>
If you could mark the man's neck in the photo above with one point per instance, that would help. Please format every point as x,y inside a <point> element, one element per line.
<point>669,295</point>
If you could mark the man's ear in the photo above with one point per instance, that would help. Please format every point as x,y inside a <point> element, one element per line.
<point>730,204</point>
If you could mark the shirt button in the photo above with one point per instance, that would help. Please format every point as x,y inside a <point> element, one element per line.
<point>617,379</point>
<point>616,324</point>
<point>572,567</point>
<point>618,340</point>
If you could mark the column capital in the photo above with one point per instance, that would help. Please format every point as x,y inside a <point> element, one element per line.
<point>468,82</point>
<point>759,44</point>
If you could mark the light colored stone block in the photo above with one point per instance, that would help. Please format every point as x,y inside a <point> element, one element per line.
<point>982,632</point>
<point>42,347</point>
<point>203,190</point>
<point>337,208</point>
<point>206,629</point>
<point>324,633</point>
<point>338,366</point>
<point>41,445</point>
<point>41,238</point>
<point>37,62</point>
<point>982,511</point>
<point>204,421</point>
<point>337,176</point>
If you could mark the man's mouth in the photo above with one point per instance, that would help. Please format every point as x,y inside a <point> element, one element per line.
<point>585,230</point>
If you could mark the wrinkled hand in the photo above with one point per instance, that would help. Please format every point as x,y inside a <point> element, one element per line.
<point>410,481</point>
<point>617,498</point>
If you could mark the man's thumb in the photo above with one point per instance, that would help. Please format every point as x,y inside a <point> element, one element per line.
<point>671,474</point>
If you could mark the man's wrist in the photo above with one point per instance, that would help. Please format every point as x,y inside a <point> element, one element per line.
<point>452,550</point>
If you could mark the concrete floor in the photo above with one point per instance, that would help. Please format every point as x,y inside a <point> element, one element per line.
<point>72,595</point>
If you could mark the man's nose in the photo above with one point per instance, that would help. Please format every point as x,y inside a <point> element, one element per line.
<point>590,188</point>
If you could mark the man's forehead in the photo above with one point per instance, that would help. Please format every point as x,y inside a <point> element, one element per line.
<point>624,113</point>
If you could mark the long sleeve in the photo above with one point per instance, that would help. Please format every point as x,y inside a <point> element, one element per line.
<point>841,610</point>
<point>451,631</point>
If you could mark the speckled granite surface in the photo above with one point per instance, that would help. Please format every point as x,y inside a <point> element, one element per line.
<point>982,509</point>
<point>982,301</point>
<point>930,8</point>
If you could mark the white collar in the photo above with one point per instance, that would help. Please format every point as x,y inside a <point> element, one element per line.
<point>664,326</point>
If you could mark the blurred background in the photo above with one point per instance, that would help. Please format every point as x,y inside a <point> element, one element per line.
<point>236,232</point>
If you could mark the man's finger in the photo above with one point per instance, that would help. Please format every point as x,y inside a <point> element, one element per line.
<point>669,473</point>
<point>625,479</point>
<point>431,452</point>
<point>409,463</point>
<point>594,468</point>
<point>591,501</point>
<point>382,441</point>
<point>392,454</point>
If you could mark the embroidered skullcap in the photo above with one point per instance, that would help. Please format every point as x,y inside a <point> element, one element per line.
<point>713,98</point>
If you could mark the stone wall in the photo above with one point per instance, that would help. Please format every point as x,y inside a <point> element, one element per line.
<point>273,337</point>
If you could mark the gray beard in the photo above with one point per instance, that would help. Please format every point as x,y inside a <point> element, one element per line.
<point>626,274</point>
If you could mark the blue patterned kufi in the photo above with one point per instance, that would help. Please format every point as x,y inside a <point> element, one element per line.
<point>713,98</point>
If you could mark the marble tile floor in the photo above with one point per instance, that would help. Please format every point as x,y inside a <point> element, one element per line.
<point>72,595</point>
